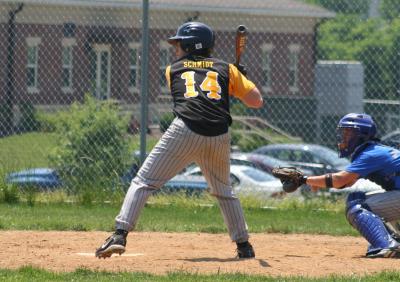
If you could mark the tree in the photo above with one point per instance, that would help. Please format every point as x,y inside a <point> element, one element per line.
<point>354,7</point>
<point>347,37</point>
<point>390,9</point>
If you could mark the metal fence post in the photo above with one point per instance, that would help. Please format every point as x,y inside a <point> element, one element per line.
<point>144,80</point>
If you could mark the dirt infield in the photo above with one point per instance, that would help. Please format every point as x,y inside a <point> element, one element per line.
<point>159,253</point>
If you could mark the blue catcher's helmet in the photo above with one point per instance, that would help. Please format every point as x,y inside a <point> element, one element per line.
<point>353,130</point>
<point>194,36</point>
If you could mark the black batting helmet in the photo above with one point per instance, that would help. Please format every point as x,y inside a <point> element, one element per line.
<point>194,37</point>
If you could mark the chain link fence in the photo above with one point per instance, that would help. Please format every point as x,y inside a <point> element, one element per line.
<point>71,85</point>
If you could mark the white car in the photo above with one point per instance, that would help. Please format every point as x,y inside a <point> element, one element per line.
<point>250,180</point>
<point>361,185</point>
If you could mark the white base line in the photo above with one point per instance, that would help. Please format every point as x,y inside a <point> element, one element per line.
<point>124,255</point>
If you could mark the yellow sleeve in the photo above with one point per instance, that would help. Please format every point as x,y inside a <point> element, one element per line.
<point>167,76</point>
<point>239,85</point>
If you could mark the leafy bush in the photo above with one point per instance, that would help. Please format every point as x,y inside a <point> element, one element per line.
<point>92,149</point>
<point>390,9</point>
<point>31,193</point>
<point>47,121</point>
<point>354,7</point>
<point>165,121</point>
<point>10,194</point>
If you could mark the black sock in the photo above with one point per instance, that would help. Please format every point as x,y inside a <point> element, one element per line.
<point>121,232</point>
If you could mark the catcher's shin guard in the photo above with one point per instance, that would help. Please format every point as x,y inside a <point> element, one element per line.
<point>370,226</point>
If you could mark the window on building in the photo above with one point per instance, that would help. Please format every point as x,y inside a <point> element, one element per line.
<point>266,50</point>
<point>101,71</point>
<point>134,49</point>
<point>67,64</point>
<point>294,51</point>
<point>165,60</point>
<point>32,63</point>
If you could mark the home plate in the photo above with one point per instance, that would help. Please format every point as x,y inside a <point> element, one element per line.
<point>124,255</point>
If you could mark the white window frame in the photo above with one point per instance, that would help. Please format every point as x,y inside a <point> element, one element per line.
<point>134,47</point>
<point>294,50</point>
<point>266,50</point>
<point>33,42</point>
<point>98,49</point>
<point>67,43</point>
<point>164,45</point>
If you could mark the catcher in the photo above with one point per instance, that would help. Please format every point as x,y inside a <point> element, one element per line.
<point>370,214</point>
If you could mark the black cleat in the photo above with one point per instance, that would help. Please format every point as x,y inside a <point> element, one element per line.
<point>245,250</point>
<point>115,244</point>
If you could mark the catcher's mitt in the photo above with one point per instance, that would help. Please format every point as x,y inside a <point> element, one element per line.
<point>291,178</point>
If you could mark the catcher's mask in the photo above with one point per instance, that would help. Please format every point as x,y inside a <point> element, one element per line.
<point>194,38</point>
<point>352,131</point>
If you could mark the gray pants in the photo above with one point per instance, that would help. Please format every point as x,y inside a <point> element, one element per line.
<point>385,205</point>
<point>179,147</point>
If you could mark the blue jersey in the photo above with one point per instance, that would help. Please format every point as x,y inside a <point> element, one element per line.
<point>378,163</point>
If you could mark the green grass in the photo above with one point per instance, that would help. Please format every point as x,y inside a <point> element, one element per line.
<point>31,150</point>
<point>25,151</point>
<point>163,213</point>
<point>169,214</point>
<point>177,214</point>
<point>34,274</point>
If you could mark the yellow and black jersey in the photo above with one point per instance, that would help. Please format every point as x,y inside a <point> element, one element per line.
<point>200,88</point>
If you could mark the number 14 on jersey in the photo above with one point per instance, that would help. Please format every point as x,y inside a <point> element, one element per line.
<point>209,85</point>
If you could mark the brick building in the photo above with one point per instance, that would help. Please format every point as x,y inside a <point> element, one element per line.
<point>62,49</point>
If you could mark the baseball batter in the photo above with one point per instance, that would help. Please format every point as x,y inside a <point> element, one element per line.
<point>201,87</point>
<point>370,214</point>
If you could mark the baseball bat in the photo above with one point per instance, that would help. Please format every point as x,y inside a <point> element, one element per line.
<point>241,38</point>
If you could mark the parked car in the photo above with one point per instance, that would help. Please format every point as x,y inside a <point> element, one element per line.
<point>362,185</point>
<point>316,158</point>
<point>180,183</point>
<point>249,180</point>
<point>40,178</point>
<point>191,185</point>
<point>392,139</point>
<point>241,159</point>
<point>263,162</point>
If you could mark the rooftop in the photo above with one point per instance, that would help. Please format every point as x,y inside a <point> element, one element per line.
<point>289,8</point>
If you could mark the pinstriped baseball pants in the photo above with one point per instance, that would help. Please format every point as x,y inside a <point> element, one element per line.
<point>385,205</point>
<point>179,147</point>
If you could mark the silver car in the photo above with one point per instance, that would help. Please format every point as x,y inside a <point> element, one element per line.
<point>249,180</point>
<point>316,158</point>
